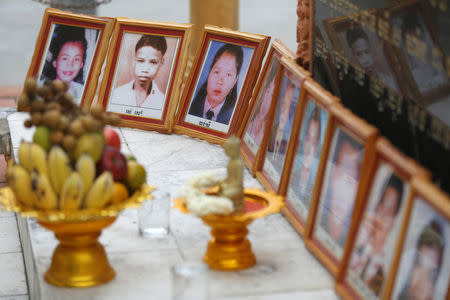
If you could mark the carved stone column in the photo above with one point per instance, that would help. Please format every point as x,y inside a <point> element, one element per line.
<point>304,33</point>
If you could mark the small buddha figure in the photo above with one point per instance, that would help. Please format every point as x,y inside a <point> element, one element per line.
<point>232,186</point>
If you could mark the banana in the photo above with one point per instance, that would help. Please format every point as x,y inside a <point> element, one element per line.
<point>100,192</point>
<point>72,192</point>
<point>38,159</point>
<point>25,156</point>
<point>46,196</point>
<point>20,182</point>
<point>86,168</point>
<point>59,167</point>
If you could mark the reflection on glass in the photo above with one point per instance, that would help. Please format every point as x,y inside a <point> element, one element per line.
<point>339,191</point>
<point>307,158</point>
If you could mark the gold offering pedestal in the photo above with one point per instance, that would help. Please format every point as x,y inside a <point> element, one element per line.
<point>229,249</point>
<point>79,260</point>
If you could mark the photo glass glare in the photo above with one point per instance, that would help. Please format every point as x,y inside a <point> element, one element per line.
<point>255,129</point>
<point>68,57</point>
<point>144,71</point>
<point>306,163</point>
<point>281,128</point>
<point>218,87</point>
<point>338,192</point>
<point>424,267</point>
<point>372,253</point>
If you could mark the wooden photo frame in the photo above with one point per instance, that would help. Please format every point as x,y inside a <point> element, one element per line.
<point>358,44</point>
<point>254,124</point>
<point>348,161</point>
<point>143,73</point>
<point>369,252</point>
<point>272,155</point>
<point>71,47</point>
<point>305,158</point>
<point>422,257</point>
<point>420,61</point>
<point>220,84</point>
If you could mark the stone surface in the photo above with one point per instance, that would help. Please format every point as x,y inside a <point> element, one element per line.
<point>12,275</point>
<point>9,236</point>
<point>285,269</point>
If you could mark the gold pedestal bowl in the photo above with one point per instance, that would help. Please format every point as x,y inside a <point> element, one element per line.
<point>79,260</point>
<point>229,249</point>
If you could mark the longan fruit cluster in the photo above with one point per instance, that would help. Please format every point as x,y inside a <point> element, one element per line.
<point>51,105</point>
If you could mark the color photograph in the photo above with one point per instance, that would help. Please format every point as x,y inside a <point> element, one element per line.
<point>219,85</point>
<point>69,57</point>
<point>304,171</point>
<point>281,128</point>
<point>372,254</point>
<point>424,267</point>
<point>339,190</point>
<point>255,129</point>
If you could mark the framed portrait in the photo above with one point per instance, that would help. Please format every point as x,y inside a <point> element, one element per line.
<point>369,253</point>
<point>420,57</point>
<point>359,45</point>
<point>289,99</point>
<point>422,258</point>
<point>71,47</point>
<point>304,160</point>
<point>348,161</point>
<point>143,73</point>
<point>220,84</point>
<point>254,124</point>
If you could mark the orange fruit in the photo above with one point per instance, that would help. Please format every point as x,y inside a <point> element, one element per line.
<point>120,193</point>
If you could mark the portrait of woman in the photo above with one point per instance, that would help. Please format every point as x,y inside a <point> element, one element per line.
<point>281,128</point>
<point>424,268</point>
<point>218,88</point>
<point>371,257</point>
<point>256,126</point>
<point>307,157</point>
<point>339,191</point>
<point>69,57</point>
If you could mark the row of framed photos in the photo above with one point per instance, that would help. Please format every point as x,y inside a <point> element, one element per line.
<point>364,209</point>
<point>143,79</point>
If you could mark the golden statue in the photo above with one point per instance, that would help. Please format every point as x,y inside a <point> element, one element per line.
<point>232,187</point>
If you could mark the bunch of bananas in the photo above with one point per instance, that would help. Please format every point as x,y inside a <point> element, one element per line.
<point>62,168</point>
<point>51,183</point>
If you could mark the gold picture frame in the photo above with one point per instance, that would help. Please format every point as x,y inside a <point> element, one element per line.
<point>349,155</point>
<point>424,235</point>
<point>212,107</point>
<point>419,57</point>
<point>253,127</point>
<point>144,72</point>
<point>290,96</point>
<point>368,256</point>
<point>305,158</point>
<point>61,32</point>
<point>348,36</point>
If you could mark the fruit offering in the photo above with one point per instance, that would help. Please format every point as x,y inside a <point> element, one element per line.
<point>74,161</point>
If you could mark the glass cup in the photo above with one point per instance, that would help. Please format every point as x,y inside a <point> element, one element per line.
<point>153,215</point>
<point>190,281</point>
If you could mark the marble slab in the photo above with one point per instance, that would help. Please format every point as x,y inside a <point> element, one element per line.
<point>285,269</point>
<point>12,276</point>
<point>9,235</point>
<point>139,275</point>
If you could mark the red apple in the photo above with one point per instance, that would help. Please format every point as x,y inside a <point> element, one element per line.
<point>114,161</point>
<point>111,137</point>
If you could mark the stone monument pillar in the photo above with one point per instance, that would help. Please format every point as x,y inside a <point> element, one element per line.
<point>213,12</point>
